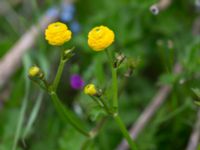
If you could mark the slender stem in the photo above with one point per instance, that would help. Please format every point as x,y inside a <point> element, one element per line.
<point>58,74</point>
<point>125,132</point>
<point>97,101</point>
<point>114,82</point>
<point>115,89</point>
<point>105,105</point>
<point>65,114</point>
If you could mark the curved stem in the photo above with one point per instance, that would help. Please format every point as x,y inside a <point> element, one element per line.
<point>105,105</point>
<point>125,132</point>
<point>97,101</point>
<point>67,115</point>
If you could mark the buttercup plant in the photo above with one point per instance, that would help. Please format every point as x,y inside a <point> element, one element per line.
<point>99,39</point>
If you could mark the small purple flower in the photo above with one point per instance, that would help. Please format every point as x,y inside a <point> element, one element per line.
<point>76,82</point>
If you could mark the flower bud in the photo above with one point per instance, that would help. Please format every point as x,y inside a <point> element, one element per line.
<point>67,54</point>
<point>35,71</point>
<point>91,90</point>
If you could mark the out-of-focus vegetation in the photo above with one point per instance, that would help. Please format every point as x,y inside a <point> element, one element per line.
<point>158,41</point>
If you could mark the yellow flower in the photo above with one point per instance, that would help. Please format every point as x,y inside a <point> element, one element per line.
<point>34,71</point>
<point>57,34</point>
<point>100,38</point>
<point>90,89</point>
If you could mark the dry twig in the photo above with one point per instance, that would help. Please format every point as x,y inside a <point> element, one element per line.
<point>195,135</point>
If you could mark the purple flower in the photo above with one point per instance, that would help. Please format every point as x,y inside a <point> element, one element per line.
<point>76,82</point>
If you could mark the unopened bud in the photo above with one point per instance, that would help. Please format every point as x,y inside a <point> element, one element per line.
<point>90,89</point>
<point>35,71</point>
<point>67,54</point>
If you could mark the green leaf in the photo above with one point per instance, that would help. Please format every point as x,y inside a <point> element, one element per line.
<point>27,63</point>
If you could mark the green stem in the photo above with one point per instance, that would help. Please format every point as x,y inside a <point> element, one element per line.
<point>115,89</point>
<point>105,105</point>
<point>125,132</point>
<point>114,82</point>
<point>66,114</point>
<point>97,101</point>
<point>58,74</point>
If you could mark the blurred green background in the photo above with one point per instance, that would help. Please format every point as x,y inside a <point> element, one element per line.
<point>157,41</point>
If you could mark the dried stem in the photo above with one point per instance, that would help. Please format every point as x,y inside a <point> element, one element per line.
<point>195,135</point>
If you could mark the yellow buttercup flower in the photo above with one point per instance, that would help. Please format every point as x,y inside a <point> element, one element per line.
<point>100,38</point>
<point>57,34</point>
<point>90,89</point>
<point>34,71</point>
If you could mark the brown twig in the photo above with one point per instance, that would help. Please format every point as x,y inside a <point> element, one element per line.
<point>195,136</point>
<point>150,110</point>
<point>5,5</point>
